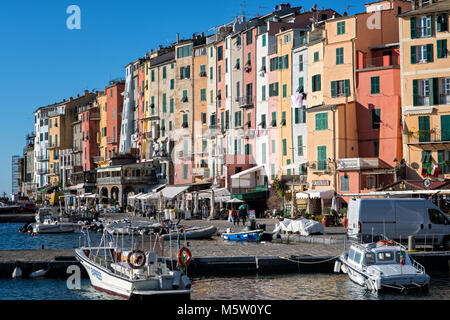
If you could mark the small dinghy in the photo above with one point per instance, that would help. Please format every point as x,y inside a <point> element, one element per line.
<point>254,236</point>
<point>17,273</point>
<point>191,233</point>
<point>385,265</point>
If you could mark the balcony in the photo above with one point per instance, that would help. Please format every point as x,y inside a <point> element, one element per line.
<point>42,159</point>
<point>95,117</point>
<point>427,137</point>
<point>99,159</point>
<point>379,62</point>
<point>42,171</point>
<point>52,146</point>
<point>358,163</point>
<point>201,172</point>
<point>111,140</point>
<point>245,102</point>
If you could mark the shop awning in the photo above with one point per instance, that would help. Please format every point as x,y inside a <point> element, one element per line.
<point>135,196</point>
<point>316,194</point>
<point>245,179</point>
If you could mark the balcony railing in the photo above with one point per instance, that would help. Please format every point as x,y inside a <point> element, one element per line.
<point>42,159</point>
<point>111,140</point>
<point>428,136</point>
<point>245,102</point>
<point>378,62</point>
<point>201,172</point>
<point>358,163</point>
<point>99,159</point>
<point>95,116</point>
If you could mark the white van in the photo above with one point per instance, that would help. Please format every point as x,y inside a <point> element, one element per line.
<point>397,219</point>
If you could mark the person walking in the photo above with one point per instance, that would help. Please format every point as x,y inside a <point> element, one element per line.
<point>234,216</point>
<point>243,214</point>
<point>204,211</point>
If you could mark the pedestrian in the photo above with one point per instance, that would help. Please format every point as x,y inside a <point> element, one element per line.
<point>234,216</point>
<point>204,211</point>
<point>243,214</point>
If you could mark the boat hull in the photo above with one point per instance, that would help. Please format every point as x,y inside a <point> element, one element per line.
<point>54,228</point>
<point>201,233</point>
<point>105,281</point>
<point>243,236</point>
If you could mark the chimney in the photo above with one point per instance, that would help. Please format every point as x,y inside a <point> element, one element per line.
<point>345,13</point>
<point>86,92</point>
<point>203,34</point>
<point>178,37</point>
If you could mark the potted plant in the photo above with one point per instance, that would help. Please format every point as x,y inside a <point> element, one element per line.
<point>326,217</point>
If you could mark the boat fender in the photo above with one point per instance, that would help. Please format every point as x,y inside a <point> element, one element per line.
<point>176,279</point>
<point>184,257</point>
<point>17,273</point>
<point>337,266</point>
<point>186,282</point>
<point>138,260</point>
<point>38,273</point>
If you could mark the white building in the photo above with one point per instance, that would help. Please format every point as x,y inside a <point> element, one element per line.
<point>128,112</point>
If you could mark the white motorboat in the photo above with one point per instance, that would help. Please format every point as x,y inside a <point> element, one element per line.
<point>381,266</point>
<point>130,273</point>
<point>47,223</point>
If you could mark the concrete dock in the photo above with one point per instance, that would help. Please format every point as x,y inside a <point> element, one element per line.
<point>289,254</point>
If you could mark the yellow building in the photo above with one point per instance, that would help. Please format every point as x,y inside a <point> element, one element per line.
<point>101,135</point>
<point>54,136</point>
<point>331,114</point>
<point>425,76</point>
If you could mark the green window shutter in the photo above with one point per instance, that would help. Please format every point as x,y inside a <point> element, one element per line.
<point>333,89</point>
<point>296,115</point>
<point>286,61</point>
<point>222,120</point>
<point>376,118</point>
<point>445,128</point>
<point>164,102</point>
<point>300,85</point>
<point>319,86</point>
<point>434,91</point>
<point>313,84</point>
<point>424,125</point>
<point>375,85</point>
<point>441,160</point>
<point>171,106</point>
<point>442,23</point>
<point>415,92</point>
<point>274,119</point>
<point>316,56</point>
<point>442,48</point>
<point>227,119</point>
<point>346,87</point>
<point>263,93</point>
<point>344,183</point>
<point>284,147</point>
<point>284,90</point>
<point>429,26</point>
<point>300,146</point>
<point>430,52</point>
<point>264,40</point>
<point>185,172</point>
<point>188,72</point>
<point>413,54</point>
<point>413,23</point>
<point>321,157</point>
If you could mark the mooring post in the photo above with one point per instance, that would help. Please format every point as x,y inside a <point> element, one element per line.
<point>411,243</point>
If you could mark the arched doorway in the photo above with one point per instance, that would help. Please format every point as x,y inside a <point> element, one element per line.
<point>127,192</point>
<point>115,193</point>
<point>104,195</point>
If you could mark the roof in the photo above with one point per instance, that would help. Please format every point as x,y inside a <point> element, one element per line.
<point>316,194</point>
<point>441,6</point>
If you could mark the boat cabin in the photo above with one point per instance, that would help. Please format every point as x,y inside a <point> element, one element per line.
<point>371,254</point>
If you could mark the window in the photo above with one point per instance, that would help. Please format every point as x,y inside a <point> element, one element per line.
<point>321,158</point>
<point>164,102</point>
<point>263,153</point>
<point>370,256</point>
<point>263,93</point>
<point>247,149</point>
<point>424,128</point>
<point>219,73</point>
<point>445,128</point>
<point>185,51</point>
<point>340,88</point>
<point>445,91</point>
<point>345,183</point>
<point>249,37</point>
<point>316,56</point>
<point>442,48</point>
<point>441,22</point>
<point>203,117</point>
<point>300,63</point>
<point>444,161</point>
<point>274,119</point>
<point>421,92</point>
<point>226,65</point>
<point>421,27</point>
<point>341,27</point>
<point>185,97</point>
<point>220,53</point>
<point>284,90</point>
<point>376,118</point>
<point>300,146</point>
<point>422,54</point>
<point>185,121</point>
<point>385,256</point>
<point>202,94</point>
<point>210,73</point>
<point>376,148</point>
<point>185,171</point>
<point>357,257</point>
<point>284,147</point>
<point>171,106</point>
<point>322,121</point>
<point>263,40</point>
<point>164,72</point>
<point>375,85</point>
<point>238,89</point>
<point>273,89</point>
<point>426,157</point>
<point>273,146</point>
<point>153,75</point>
<point>202,71</point>
<point>316,86</point>
<point>339,56</point>
<point>351,254</point>
<point>172,84</point>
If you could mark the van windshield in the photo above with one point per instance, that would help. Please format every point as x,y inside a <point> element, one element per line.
<point>385,256</point>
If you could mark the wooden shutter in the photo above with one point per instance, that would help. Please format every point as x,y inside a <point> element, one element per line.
<point>442,48</point>
<point>429,26</point>
<point>424,125</point>
<point>415,92</point>
<point>430,52</point>
<point>333,89</point>
<point>413,22</point>
<point>321,157</point>
<point>347,87</point>
<point>413,55</point>
<point>445,128</point>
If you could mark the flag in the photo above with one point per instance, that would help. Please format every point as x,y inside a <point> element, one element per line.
<point>436,171</point>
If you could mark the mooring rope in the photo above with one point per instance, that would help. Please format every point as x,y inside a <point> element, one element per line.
<point>304,262</point>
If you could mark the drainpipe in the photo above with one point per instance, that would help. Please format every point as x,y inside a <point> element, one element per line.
<point>333,109</point>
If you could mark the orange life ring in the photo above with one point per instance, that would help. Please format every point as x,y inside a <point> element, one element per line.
<point>386,243</point>
<point>186,254</point>
<point>138,261</point>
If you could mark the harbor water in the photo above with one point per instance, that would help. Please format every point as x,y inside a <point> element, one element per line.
<point>267,287</point>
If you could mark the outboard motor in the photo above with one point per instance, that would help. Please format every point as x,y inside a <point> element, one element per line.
<point>252,224</point>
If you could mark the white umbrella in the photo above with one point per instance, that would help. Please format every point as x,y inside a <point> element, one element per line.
<point>213,207</point>
<point>235,200</point>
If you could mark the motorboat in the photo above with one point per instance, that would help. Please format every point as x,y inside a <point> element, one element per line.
<point>132,228</point>
<point>132,273</point>
<point>47,223</point>
<point>382,266</point>
<point>251,235</point>
<point>5,208</point>
<point>190,233</point>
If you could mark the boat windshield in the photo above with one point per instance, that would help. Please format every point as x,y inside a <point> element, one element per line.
<point>370,258</point>
<point>385,256</point>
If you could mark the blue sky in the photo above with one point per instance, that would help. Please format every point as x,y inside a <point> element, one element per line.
<point>42,61</point>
